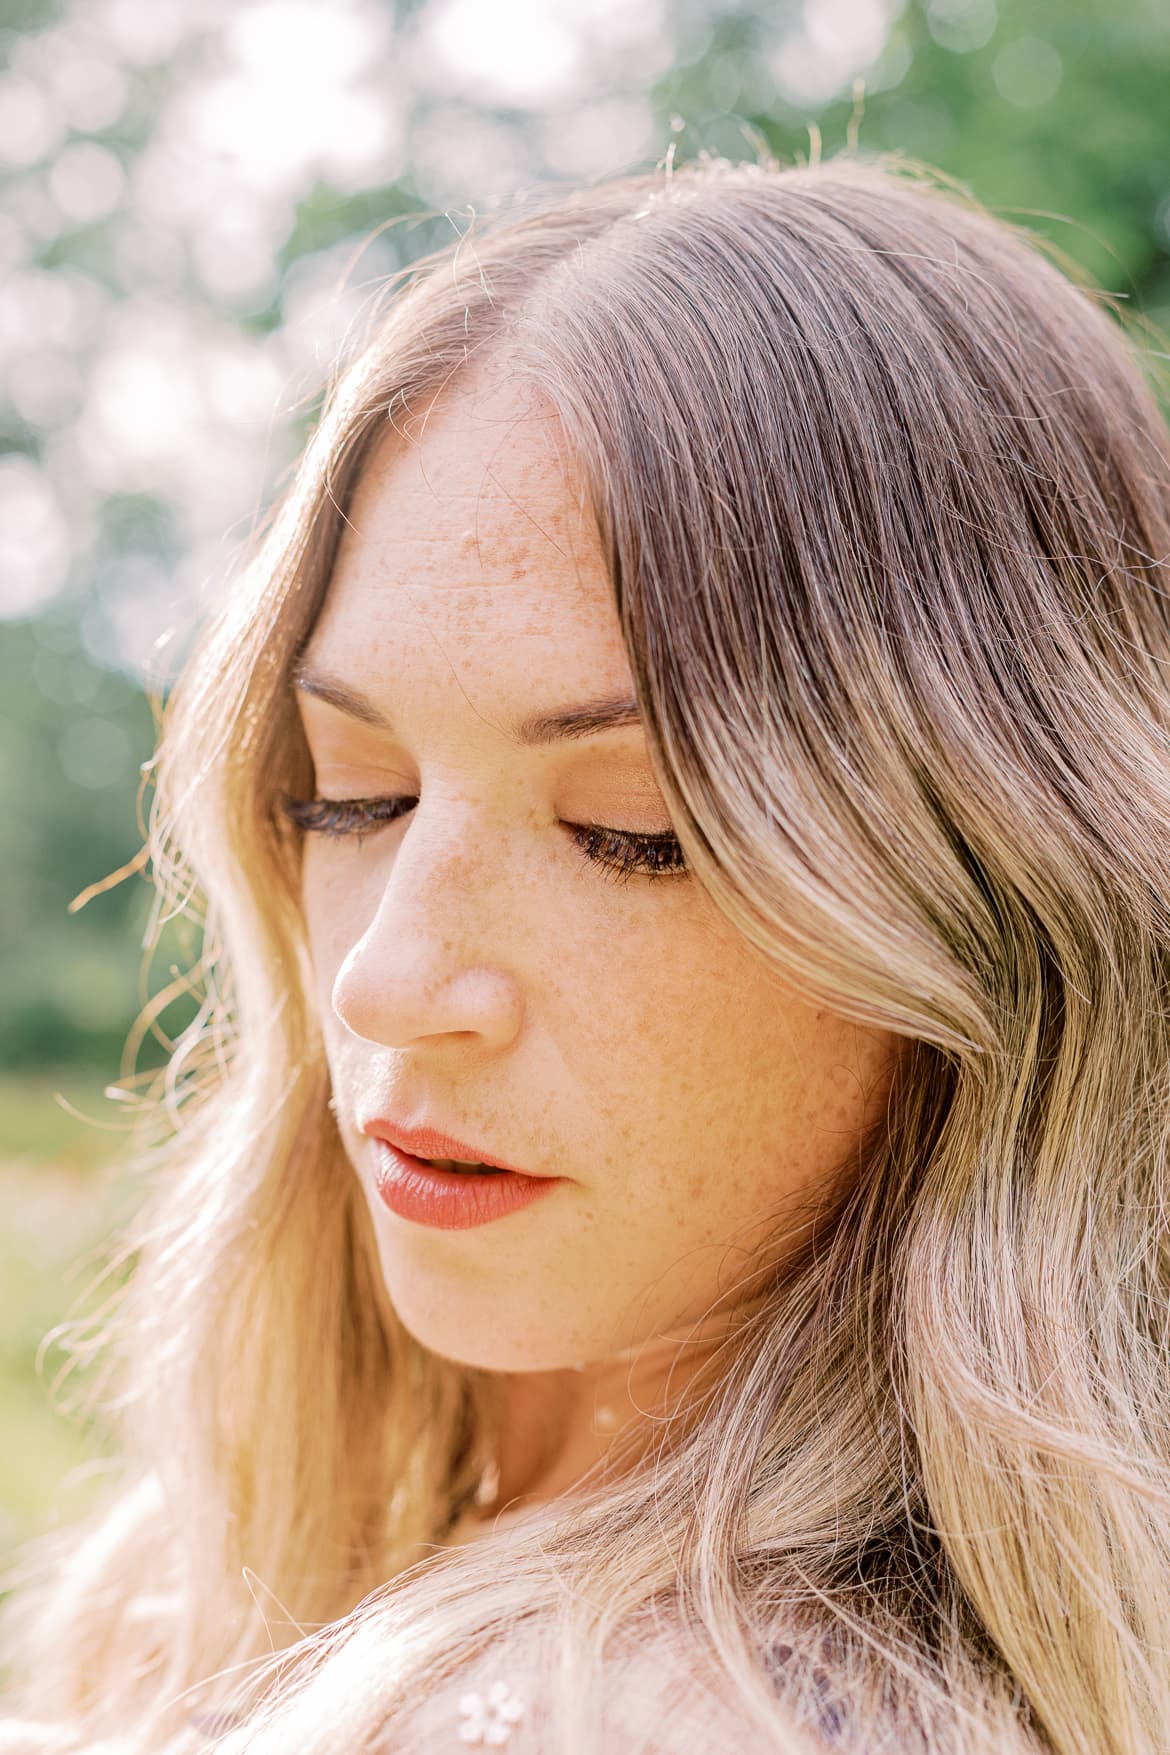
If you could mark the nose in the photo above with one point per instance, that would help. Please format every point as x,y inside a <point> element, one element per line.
<point>435,961</point>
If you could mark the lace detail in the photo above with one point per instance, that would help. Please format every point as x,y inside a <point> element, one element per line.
<point>489,1721</point>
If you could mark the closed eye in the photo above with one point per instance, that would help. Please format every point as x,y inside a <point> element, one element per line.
<point>620,852</point>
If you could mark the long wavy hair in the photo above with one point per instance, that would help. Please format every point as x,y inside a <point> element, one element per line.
<point>884,490</point>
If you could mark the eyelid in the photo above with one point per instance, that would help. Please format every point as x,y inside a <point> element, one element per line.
<point>360,778</point>
<point>615,852</point>
<point>588,818</point>
<point>629,784</point>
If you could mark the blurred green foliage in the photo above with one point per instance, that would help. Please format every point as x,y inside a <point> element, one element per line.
<point>75,734</point>
<point>62,1199</point>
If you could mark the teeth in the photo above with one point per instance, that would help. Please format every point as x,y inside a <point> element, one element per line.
<point>459,1164</point>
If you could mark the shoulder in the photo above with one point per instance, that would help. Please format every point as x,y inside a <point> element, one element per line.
<point>659,1697</point>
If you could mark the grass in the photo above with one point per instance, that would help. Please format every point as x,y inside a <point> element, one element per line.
<point>63,1197</point>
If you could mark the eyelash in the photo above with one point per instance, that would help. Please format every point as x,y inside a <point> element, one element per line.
<point>619,852</point>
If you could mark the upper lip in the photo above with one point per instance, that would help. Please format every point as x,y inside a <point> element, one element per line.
<point>427,1142</point>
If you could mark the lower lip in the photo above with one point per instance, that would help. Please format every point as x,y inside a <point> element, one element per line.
<point>449,1199</point>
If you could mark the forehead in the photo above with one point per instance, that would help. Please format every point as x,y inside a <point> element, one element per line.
<point>472,518</point>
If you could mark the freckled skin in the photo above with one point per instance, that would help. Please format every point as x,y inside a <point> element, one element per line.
<point>473,970</point>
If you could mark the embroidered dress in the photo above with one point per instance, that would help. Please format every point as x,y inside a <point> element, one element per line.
<point>482,1720</point>
<point>489,1721</point>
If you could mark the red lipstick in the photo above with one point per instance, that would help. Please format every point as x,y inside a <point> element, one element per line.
<point>449,1200</point>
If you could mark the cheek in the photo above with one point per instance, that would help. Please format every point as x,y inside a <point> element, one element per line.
<point>334,908</point>
<point>657,1040</point>
<point>733,1089</point>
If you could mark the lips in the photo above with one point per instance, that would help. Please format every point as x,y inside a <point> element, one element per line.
<point>428,1143</point>
<point>446,1200</point>
<point>454,1164</point>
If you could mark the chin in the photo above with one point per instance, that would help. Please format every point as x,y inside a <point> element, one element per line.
<point>473,1320</point>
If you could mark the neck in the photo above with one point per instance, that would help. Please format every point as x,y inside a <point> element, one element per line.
<point>560,1428</point>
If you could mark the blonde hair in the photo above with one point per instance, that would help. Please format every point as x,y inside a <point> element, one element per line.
<point>886,502</point>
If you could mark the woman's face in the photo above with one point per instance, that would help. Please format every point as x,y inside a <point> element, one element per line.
<point>475,972</point>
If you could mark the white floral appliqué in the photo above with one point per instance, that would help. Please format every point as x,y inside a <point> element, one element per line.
<point>490,1721</point>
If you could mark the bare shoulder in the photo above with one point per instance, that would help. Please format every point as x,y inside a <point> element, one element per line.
<point>661,1697</point>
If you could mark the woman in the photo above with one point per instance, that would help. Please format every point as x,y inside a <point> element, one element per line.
<point>696,737</point>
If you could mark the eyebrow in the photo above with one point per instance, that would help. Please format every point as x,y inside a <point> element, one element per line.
<point>607,713</point>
